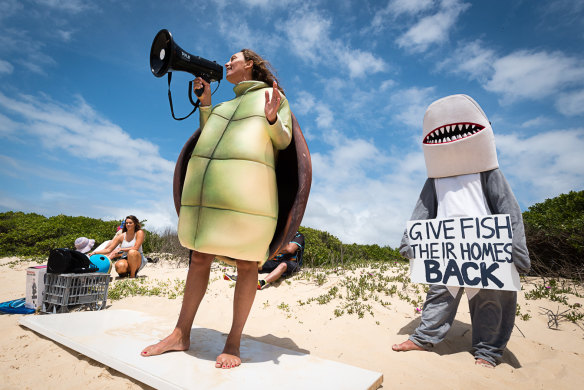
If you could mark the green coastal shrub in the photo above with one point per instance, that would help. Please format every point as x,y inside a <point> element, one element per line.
<point>30,234</point>
<point>555,235</point>
<point>322,249</point>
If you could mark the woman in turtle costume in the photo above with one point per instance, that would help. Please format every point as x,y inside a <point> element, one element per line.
<point>229,203</point>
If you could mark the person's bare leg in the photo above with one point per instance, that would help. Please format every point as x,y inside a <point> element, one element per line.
<point>195,288</point>
<point>121,267</point>
<point>275,274</point>
<point>134,262</point>
<point>407,345</point>
<point>245,290</point>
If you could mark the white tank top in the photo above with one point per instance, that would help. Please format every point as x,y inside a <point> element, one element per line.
<point>126,244</point>
<point>461,196</point>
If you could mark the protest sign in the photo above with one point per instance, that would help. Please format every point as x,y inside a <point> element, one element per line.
<point>464,251</point>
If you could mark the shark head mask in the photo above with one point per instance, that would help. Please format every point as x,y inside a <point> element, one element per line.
<point>458,138</point>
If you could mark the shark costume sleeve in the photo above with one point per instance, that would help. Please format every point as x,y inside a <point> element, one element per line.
<point>229,203</point>
<point>501,200</point>
<point>425,208</point>
<point>460,153</point>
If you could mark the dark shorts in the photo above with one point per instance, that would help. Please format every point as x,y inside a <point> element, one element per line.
<point>270,265</point>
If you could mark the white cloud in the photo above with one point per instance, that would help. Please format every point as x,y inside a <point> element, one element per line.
<point>472,59</point>
<point>267,4</point>
<point>72,6</point>
<point>410,105</point>
<point>567,12</point>
<point>6,67</point>
<point>25,51</point>
<point>410,7</point>
<point>11,203</point>
<point>307,104</point>
<point>9,8</point>
<point>80,131</point>
<point>522,75</point>
<point>387,84</point>
<point>240,34</point>
<point>7,126</point>
<point>571,103</point>
<point>534,75</point>
<point>65,35</point>
<point>304,103</point>
<point>434,28</point>
<point>363,194</point>
<point>536,122</point>
<point>324,117</point>
<point>16,168</point>
<point>395,8</point>
<point>53,195</point>
<point>550,163</point>
<point>310,37</point>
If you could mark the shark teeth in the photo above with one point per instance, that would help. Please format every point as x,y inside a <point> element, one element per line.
<point>452,132</point>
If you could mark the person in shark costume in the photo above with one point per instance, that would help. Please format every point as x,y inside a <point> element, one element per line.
<point>464,180</point>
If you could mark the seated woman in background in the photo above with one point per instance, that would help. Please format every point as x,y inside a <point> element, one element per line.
<point>130,242</point>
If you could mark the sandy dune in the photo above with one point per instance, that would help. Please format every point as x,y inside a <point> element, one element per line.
<point>300,313</point>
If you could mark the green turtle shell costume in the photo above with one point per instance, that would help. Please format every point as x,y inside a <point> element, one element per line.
<point>241,185</point>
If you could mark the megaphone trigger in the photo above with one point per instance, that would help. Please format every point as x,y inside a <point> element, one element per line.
<point>200,91</point>
<point>195,104</point>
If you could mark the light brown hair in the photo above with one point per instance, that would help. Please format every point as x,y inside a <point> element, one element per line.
<point>262,69</point>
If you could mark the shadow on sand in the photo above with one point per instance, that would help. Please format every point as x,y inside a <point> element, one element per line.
<point>207,344</point>
<point>459,339</point>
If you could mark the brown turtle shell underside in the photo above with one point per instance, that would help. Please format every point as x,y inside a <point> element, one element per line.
<point>293,175</point>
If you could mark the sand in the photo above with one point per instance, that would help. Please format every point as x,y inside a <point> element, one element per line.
<point>288,314</point>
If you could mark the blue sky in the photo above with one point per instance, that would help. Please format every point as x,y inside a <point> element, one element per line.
<point>85,128</point>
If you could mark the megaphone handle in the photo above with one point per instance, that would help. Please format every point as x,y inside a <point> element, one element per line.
<point>198,92</point>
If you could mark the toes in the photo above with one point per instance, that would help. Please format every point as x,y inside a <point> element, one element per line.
<point>226,362</point>
<point>399,347</point>
<point>484,363</point>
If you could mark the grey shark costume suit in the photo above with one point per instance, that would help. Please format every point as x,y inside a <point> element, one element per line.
<point>469,151</point>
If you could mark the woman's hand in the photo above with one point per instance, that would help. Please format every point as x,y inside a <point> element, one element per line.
<point>272,106</point>
<point>205,98</point>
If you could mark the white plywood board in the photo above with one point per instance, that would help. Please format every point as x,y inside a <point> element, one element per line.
<point>116,338</point>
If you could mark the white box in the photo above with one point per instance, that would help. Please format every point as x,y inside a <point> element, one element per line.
<point>35,286</point>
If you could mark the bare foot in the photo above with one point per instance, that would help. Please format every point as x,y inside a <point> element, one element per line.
<point>229,358</point>
<point>174,342</point>
<point>407,345</point>
<point>484,363</point>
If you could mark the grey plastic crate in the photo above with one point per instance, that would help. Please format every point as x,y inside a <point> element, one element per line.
<point>65,292</point>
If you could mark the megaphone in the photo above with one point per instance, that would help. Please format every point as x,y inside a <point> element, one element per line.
<point>166,56</point>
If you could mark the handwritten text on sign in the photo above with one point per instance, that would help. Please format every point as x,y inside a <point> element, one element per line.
<point>464,251</point>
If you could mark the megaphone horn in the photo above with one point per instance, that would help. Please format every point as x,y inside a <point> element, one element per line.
<point>166,56</point>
